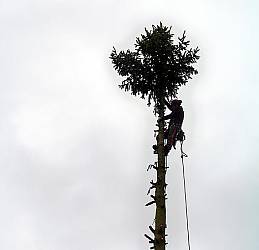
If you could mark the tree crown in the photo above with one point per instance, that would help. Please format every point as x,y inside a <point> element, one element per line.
<point>158,66</point>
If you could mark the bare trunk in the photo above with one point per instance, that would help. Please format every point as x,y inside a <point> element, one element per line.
<point>160,217</point>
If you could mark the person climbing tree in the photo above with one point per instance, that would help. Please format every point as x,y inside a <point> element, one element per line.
<point>155,70</point>
<point>175,125</point>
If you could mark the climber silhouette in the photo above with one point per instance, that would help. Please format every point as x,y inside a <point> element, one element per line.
<point>175,124</point>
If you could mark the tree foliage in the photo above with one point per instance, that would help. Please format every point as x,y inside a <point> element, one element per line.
<point>158,66</point>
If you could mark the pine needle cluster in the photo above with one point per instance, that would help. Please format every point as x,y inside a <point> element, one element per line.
<point>158,66</point>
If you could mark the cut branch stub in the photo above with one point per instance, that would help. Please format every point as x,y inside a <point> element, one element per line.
<point>150,203</point>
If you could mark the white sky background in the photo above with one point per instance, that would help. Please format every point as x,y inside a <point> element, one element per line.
<point>74,147</point>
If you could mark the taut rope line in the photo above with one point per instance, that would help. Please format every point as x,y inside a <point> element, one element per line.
<point>185,196</point>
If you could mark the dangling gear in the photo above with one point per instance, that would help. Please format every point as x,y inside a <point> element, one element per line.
<point>180,136</point>
<point>156,148</point>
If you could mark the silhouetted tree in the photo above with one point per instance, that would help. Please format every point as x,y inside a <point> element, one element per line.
<point>155,71</point>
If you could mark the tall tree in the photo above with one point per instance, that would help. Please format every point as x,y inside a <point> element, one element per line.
<point>155,71</point>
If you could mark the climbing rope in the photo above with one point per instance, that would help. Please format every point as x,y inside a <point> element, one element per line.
<point>185,195</point>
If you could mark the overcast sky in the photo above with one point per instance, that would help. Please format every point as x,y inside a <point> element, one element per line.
<point>75,148</point>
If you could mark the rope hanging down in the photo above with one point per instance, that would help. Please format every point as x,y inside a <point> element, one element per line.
<point>185,195</point>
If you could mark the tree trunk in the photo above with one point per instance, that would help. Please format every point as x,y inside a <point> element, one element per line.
<point>160,217</point>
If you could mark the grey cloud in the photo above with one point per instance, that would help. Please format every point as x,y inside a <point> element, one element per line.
<point>74,148</point>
